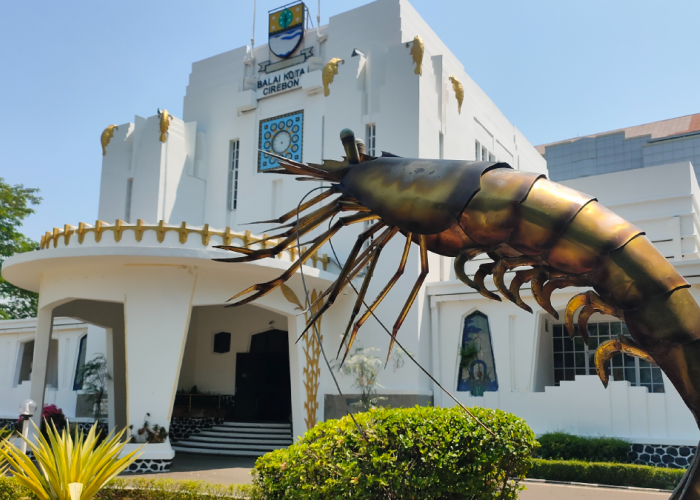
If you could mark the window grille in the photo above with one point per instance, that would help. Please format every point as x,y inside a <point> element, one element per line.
<point>484,153</point>
<point>233,176</point>
<point>129,190</point>
<point>572,357</point>
<point>477,149</point>
<point>371,142</point>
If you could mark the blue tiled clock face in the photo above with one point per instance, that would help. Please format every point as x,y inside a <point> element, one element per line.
<point>282,135</point>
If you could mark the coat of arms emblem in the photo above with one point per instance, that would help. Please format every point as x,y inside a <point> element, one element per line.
<point>286,29</point>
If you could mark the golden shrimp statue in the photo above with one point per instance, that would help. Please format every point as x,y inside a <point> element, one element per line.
<point>459,92</point>
<point>106,137</point>
<point>328,73</point>
<point>559,236</point>
<point>165,119</point>
<point>417,50</point>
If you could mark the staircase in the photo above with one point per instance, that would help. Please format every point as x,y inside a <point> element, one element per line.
<point>237,439</point>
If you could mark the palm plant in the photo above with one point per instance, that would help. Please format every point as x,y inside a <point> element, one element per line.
<point>67,469</point>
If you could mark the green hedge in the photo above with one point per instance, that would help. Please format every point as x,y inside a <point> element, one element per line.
<point>641,476</point>
<point>421,452</point>
<point>145,489</point>
<point>10,491</point>
<point>563,446</point>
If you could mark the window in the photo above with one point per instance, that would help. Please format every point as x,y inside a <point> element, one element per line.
<point>78,381</point>
<point>477,149</point>
<point>477,369</point>
<point>491,157</point>
<point>484,153</point>
<point>26,357</point>
<point>371,142</point>
<point>222,342</point>
<point>233,176</point>
<point>129,189</point>
<point>572,357</point>
<point>441,145</point>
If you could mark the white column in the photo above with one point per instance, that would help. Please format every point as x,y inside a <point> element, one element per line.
<point>40,362</point>
<point>157,312</point>
<point>109,356</point>
<point>435,368</point>
<point>297,362</point>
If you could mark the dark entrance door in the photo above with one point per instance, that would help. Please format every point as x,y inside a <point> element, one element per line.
<point>263,387</point>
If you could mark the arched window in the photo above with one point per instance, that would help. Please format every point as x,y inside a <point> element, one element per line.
<point>477,368</point>
<point>78,380</point>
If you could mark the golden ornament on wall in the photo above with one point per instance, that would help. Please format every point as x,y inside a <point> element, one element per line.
<point>459,92</point>
<point>417,50</point>
<point>165,119</point>
<point>329,71</point>
<point>312,352</point>
<point>107,135</point>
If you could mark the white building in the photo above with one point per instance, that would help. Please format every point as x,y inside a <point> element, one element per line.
<point>144,274</point>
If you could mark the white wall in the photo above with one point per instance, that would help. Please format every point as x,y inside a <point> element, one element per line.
<point>523,360</point>
<point>67,333</point>
<point>214,372</point>
<point>663,201</point>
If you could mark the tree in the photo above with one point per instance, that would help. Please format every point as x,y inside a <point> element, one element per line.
<point>14,208</point>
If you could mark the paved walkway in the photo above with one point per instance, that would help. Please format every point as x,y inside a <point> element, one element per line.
<point>236,470</point>
<point>542,491</point>
<point>210,468</point>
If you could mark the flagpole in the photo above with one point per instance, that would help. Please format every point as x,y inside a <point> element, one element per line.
<point>252,38</point>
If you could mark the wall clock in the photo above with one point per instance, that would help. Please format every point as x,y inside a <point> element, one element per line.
<point>282,135</point>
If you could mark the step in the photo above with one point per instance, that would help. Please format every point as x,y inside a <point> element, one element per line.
<point>207,439</point>
<point>201,451</point>
<point>252,430</point>
<point>233,435</point>
<point>255,424</point>
<point>218,446</point>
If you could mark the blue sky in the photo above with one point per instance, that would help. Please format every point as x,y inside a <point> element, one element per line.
<point>556,70</point>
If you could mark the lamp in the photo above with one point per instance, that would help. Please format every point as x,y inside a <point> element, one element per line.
<point>26,411</point>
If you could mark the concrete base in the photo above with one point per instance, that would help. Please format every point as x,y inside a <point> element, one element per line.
<point>335,407</point>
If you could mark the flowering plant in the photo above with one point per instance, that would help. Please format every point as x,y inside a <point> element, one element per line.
<point>52,414</point>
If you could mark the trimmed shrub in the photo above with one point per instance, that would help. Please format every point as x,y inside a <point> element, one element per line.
<point>421,452</point>
<point>164,489</point>
<point>641,476</point>
<point>10,490</point>
<point>563,446</point>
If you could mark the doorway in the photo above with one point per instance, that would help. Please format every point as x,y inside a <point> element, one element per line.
<point>263,385</point>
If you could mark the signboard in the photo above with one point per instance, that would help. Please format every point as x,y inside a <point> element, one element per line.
<point>280,81</point>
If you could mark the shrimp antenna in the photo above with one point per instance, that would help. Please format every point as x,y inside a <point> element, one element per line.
<point>315,327</point>
<point>410,356</point>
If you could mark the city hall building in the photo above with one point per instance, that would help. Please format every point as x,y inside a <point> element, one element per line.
<point>138,283</point>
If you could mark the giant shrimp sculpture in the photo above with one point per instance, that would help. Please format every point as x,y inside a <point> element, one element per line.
<point>462,209</point>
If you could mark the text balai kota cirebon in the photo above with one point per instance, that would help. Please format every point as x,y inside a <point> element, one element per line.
<point>279,83</point>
